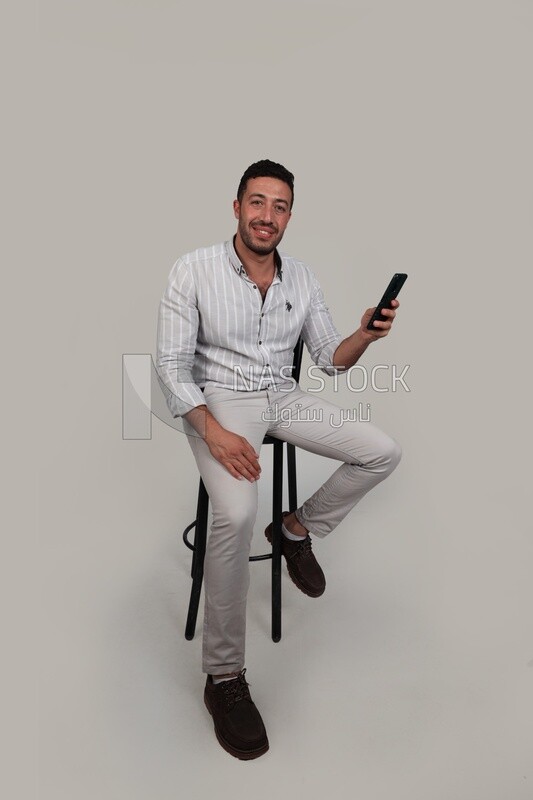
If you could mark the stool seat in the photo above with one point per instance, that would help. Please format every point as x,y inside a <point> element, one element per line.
<point>200,525</point>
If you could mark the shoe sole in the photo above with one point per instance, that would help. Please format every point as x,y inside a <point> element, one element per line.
<point>242,755</point>
<point>268,534</point>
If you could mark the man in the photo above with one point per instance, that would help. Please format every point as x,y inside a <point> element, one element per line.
<point>229,320</point>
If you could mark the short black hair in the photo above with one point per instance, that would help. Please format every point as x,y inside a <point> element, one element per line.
<point>266,169</point>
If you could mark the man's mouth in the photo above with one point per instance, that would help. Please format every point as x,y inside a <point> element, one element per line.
<point>263,233</point>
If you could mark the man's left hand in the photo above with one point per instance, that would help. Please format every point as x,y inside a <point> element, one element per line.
<point>381,329</point>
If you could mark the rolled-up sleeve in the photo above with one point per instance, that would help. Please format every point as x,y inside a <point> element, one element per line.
<point>319,333</point>
<point>177,331</point>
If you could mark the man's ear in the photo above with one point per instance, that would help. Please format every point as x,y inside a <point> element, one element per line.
<point>236,209</point>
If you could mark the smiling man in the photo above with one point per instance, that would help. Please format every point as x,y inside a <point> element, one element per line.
<point>263,216</point>
<point>229,320</point>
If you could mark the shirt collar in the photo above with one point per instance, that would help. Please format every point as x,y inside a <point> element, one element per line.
<point>238,266</point>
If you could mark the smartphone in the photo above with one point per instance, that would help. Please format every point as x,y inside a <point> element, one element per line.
<point>391,292</point>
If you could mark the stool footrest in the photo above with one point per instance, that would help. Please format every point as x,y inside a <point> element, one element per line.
<point>185,539</point>
<point>264,557</point>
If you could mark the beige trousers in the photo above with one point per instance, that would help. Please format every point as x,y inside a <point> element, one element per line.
<point>307,421</point>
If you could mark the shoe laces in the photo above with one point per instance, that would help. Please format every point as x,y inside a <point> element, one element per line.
<point>304,548</point>
<point>235,690</point>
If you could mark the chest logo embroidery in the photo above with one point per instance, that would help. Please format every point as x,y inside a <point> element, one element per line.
<point>288,306</point>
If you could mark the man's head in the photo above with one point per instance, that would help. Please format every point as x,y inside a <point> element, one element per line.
<point>263,206</point>
<point>266,169</point>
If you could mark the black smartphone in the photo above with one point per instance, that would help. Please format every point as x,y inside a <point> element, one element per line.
<point>391,292</point>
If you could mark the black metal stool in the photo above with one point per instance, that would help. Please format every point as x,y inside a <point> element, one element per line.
<point>200,524</point>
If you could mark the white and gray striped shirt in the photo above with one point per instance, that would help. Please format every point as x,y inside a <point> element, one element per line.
<point>214,327</point>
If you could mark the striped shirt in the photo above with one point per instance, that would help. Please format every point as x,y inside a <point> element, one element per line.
<point>215,328</point>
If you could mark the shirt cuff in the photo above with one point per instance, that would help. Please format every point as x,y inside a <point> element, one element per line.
<point>189,397</point>
<point>325,360</point>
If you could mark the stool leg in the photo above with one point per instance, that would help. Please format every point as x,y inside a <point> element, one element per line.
<point>277,505</point>
<point>291,476</point>
<point>197,572</point>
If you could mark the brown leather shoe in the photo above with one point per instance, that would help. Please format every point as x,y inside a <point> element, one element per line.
<point>302,566</point>
<point>238,724</point>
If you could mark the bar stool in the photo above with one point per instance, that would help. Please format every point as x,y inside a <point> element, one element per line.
<point>200,524</point>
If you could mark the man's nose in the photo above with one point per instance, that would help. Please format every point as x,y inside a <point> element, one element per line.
<point>267,213</point>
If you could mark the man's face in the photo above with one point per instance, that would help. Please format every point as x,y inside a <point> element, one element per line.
<point>263,214</point>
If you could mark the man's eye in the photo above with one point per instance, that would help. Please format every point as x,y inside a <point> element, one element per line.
<point>280,209</point>
<point>256,202</point>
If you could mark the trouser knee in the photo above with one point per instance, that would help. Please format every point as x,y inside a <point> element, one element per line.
<point>387,456</point>
<point>391,455</point>
<point>232,527</point>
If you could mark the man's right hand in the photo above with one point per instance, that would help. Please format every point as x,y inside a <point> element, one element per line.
<point>234,452</point>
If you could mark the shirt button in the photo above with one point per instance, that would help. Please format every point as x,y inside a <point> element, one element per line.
<point>255,287</point>
<point>260,342</point>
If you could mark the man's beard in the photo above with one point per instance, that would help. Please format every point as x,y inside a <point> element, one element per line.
<point>256,247</point>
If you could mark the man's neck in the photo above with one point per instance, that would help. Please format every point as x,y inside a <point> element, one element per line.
<point>261,265</point>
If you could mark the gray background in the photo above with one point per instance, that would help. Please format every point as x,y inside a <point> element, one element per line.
<point>408,126</point>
